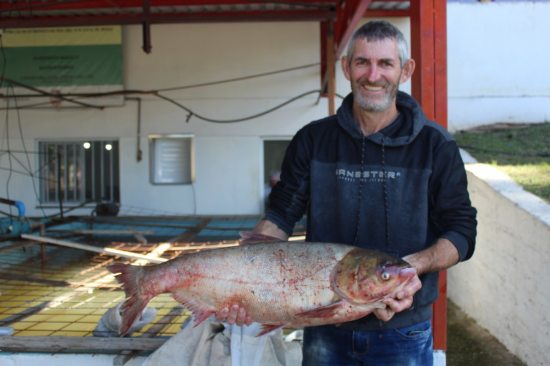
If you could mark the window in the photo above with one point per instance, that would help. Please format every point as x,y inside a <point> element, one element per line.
<point>79,171</point>
<point>171,159</point>
<point>274,153</point>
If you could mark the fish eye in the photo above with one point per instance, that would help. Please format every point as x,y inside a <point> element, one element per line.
<point>385,276</point>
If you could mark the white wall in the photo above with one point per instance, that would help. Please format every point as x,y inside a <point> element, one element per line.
<point>504,286</point>
<point>498,63</point>
<point>228,156</point>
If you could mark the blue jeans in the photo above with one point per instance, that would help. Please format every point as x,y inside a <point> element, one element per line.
<point>335,346</point>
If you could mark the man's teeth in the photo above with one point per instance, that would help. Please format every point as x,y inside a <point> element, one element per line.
<point>373,88</point>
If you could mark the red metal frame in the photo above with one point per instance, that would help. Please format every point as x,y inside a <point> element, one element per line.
<point>429,87</point>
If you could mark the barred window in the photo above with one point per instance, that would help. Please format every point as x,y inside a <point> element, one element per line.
<point>79,171</point>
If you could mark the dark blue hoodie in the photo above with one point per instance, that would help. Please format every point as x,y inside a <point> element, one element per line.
<point>397,190</point>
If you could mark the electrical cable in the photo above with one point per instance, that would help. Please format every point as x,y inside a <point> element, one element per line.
<point>8,180</point>
<point>193,114</point>
<point>48,94</point>
<point>156,93</point>
<point>26,153</point>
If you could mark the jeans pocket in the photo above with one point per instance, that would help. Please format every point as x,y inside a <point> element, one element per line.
<point>416,331</point>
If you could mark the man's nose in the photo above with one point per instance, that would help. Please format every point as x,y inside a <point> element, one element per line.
<point>372,74</point>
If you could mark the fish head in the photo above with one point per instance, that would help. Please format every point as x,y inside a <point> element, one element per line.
<point>365,276</point>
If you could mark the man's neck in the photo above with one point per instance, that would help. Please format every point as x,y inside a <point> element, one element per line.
<point>372,122</point>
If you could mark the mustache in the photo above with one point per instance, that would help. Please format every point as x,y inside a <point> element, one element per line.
<point>375,84</point>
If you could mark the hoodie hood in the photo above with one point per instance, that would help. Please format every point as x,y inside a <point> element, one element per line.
<point>400,132</point>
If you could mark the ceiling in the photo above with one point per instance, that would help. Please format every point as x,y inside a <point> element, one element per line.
<point>341,15</point>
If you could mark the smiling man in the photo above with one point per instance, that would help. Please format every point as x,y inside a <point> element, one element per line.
<point>377,175</point>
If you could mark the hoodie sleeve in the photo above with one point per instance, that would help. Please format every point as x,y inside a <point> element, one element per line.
<point>452,211</point>
<point>288,200</point>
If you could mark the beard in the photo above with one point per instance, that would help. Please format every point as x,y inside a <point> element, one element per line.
<point>370,104</point>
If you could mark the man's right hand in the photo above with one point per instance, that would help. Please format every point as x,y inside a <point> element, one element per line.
<point>234,315</point>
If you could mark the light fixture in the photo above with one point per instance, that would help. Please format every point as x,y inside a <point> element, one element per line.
<point>86,145</point>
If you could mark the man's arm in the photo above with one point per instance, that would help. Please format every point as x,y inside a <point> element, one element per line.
<point>440,256</point>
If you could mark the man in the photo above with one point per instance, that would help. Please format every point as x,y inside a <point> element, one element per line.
<point>377,175</point>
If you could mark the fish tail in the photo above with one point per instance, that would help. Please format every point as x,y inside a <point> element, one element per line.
<point>136,301</point>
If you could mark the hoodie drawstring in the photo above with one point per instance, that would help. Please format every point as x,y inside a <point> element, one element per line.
<point>360,193</point>
<point>386,196</point>
<point>385,192</point>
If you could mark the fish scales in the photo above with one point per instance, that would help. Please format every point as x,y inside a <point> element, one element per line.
<point>278,284</point>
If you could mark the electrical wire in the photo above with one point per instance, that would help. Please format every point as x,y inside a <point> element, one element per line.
<point>48,94</point>
<point>193,114</point>
<point>72,98</point>
<point>26,153</point>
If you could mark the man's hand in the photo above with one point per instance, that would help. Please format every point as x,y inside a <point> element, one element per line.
<point>440,256</point>
<point>403,300</point>
<point>234,315</point>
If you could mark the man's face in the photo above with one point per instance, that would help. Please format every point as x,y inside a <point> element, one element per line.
<point>375,73</point>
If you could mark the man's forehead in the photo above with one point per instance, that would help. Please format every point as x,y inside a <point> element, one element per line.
<point>378,48</point>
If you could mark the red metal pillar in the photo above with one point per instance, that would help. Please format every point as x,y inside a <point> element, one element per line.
<point>429,87</point>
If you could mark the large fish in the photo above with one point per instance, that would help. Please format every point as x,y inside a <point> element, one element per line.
<point>278,284</point>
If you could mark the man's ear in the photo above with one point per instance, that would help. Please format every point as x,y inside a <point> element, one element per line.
<point>345,67</point>
<point>408,69</point>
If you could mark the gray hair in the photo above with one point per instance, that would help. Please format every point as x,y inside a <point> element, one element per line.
<point>378,30</point>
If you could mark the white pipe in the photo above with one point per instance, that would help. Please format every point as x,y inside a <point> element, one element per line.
<point>90,248</point>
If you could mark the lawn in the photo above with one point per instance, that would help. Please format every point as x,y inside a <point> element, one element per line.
<point>521,151</point>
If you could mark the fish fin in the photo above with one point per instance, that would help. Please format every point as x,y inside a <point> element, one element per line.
<point>266,328</point>
<point>249,237</point>
<point>136,301</point>
<point>327,311</point>
<point>200,311</point>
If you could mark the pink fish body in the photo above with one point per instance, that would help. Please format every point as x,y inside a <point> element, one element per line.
<point>278,284</point>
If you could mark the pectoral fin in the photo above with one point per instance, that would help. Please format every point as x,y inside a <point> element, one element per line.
<point>266,328</point>
<point>327,311</point>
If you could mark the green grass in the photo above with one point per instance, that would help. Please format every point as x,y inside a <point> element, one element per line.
<point>522,152</point>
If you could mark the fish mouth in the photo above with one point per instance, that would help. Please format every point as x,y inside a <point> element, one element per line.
<point>407,273</point>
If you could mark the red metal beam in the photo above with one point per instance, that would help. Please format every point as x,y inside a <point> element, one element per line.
<point>48,5</point>
<point>429,87</point>
<point>128,19</point>
<point>348,16</point>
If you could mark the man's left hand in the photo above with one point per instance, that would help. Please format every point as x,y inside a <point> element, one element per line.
<point>403,300</point>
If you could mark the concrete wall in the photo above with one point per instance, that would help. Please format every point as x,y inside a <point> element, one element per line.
<point>504,286</point>
<point>229,156</point>
<point>497,63</point>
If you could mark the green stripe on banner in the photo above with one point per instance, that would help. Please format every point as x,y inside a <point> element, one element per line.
<point>65,66</point>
